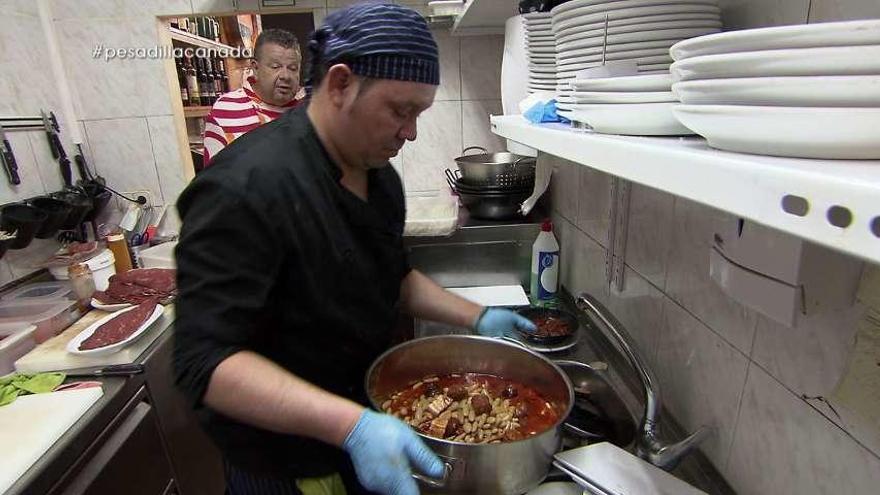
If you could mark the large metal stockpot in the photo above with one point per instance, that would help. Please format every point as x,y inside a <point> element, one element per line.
<point>487,469</point>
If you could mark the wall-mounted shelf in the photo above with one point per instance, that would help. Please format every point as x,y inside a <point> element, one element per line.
<point>751,186</point>
<point>190,112</point>
<point>195,40</point>
<point>484,17</point>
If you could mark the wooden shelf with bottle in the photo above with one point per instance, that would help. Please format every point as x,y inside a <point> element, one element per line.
<point>200,111</point>
<point>195,40</point>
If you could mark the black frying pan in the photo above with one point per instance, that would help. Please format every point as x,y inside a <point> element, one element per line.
<point>554,325</point>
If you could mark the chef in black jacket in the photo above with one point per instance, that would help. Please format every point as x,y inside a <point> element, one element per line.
<point>291,272</point>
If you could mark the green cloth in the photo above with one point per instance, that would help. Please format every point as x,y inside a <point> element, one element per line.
<point>328,485</point>
<point>11,386</point>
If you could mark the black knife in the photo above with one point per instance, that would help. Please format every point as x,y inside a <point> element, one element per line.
<point>9,164</point>
<point>50,131</point>
<point>112,370</point>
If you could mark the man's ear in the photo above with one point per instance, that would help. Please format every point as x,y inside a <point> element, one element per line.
<point>341,82</point>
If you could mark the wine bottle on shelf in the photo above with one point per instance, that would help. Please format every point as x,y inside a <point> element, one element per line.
<point>215,77</point>
<point>192,84</point>
<point>183,24</point>
<point>216,30</point>
<point>181,81</point>
<point>204,88</point>
<point>209,81</point>
<point>224,85</point>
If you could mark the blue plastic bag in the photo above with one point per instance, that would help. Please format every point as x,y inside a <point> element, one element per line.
<point>544,112</point>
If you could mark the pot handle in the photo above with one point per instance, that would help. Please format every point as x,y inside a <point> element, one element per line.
<point>432,482</point>
<point>464,151</point>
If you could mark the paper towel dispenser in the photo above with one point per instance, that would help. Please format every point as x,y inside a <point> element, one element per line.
<point>779,275</point>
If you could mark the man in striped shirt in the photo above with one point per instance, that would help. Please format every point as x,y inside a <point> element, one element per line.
<point>272,89</point>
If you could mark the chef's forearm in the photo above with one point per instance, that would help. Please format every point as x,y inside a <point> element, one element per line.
<point>252,389</point>
<point>423,298</point>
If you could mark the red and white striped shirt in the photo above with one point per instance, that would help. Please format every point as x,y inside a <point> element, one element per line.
<point>236,113</point>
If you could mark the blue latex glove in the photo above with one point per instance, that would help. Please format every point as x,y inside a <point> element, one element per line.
<point>497,322</point>
<point>382,448</point>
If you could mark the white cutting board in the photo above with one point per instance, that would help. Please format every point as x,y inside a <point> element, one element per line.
<point>32,424</point>
<point>493,295</point>
<point>52,354</point>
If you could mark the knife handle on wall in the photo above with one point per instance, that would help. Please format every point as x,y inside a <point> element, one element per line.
<point>9,164</point>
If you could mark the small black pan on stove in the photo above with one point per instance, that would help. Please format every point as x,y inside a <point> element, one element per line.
<point>554,325</point>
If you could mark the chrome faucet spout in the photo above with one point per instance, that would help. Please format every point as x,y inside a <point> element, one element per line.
<point>648,446</point>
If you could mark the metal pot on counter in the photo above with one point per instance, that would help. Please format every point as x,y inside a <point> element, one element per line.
<point>505,468</point>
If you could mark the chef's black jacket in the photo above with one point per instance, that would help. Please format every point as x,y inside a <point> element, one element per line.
<point>277,257</point>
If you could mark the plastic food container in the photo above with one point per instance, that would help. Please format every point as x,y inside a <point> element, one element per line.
<point>39,292</point>
<point>159,256</point>
<point>101,265</point>
<point>431,215</point>
<point>16,340</point>
<point>49,318</point>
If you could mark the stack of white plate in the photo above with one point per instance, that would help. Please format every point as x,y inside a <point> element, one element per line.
<point>541,47</point>
<point>808,91</point>
<point>637,30</point>
<point>634,105</point>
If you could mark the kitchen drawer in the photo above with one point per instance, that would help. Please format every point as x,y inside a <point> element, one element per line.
<point>130,459</point>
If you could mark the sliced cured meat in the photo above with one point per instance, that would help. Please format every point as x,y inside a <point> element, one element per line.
<point>119,328</point>
<point>159,279</point>
<point>139,285</point>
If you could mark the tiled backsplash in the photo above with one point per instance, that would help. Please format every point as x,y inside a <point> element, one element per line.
<point>764,387</point>
<point>124,106</point>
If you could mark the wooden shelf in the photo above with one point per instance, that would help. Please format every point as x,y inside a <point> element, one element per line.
<point>192,112</point>
<point>194,40</point>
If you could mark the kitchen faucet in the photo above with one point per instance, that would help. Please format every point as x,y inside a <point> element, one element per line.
<point>648,445</point>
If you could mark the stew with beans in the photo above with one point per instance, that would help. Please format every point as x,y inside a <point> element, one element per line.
<point>472,408</point>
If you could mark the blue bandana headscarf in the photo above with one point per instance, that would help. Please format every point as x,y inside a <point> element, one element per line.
<point>381,41</point>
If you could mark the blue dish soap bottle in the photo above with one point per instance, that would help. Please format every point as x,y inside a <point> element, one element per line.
<point>545,266</point>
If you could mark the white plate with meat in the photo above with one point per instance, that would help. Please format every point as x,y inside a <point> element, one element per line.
<point>115,331</point>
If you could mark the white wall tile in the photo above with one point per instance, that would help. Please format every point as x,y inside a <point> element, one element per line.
<point>565,233</point>
<point>163,139</point>
<point>784,446</point>
<point>639,307</point>
<point>212,6</point>
<point>47,165</point>
<point>811,358</point>
<point>843,10</point>
<point>31,184</point>
<point>594,203</point>
<point>118,9</point>
<point>101,88</point>
<point>449,48</point>
<point>28,84</point>
<point>702,379</point>
<point>21,7</point>
<point>564,186</point>
<point>481,67</point>
<point>437,144</point>
<point>688,282</point>
<point>123,154</point>
<point>649,232</point>
<point>588,267</point>
<point>742,14</point>
<point>475,124</point>
<point>154,95</point>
